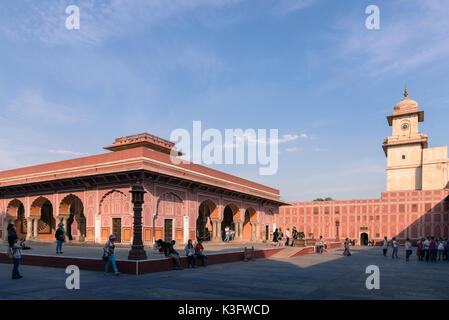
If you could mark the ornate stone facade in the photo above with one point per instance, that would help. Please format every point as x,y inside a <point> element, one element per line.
<point>92,195</point>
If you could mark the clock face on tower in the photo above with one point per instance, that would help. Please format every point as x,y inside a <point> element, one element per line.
<point>404,126</point>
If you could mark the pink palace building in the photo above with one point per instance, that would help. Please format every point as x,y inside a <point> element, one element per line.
<point>91,197</point>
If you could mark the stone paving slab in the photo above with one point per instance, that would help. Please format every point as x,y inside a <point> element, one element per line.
<point>315,276</point>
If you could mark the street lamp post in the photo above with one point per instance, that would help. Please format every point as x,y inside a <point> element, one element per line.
<point>137,251</point>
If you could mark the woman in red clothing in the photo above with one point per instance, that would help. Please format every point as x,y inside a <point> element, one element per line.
<point>199,252</point>
<point>418,251</point>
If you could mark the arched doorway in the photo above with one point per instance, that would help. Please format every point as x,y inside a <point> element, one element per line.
<point>114,217</point>
<point>250,215</point>
<point>364,239</point>
<point>204,227</point>
<point>72,207</point>
<point>42,208</point>
<point>16,212</point>
<point>230,212</point>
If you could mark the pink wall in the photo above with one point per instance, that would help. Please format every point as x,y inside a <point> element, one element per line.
<point>396,214</point>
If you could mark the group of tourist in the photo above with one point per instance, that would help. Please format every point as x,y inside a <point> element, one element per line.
<point>432,249</point>
<point>429,249</point>
<point>193,252</point>
<point>287,239</point>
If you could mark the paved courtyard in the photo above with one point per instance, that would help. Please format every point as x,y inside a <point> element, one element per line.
<point>328,276</point>
<point>90,250</point>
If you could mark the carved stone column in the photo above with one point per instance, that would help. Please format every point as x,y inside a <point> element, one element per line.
<point>239,231</point>
<point>35,228</point>
<point>216,230</point>
<point>81,229</point>
<point>137,251</point>
<point>29,229</point>
<point>253,231</point>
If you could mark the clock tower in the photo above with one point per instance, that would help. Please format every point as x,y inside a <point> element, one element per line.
<point>404,149</point>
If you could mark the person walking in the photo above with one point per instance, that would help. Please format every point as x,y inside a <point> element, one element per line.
<point>395,246</point>
<point>294,235</point>
<point>199,252</point>
<point>320,246</point>
<point>385,246</point>
<point>287,236</point>
<point>60,237</point>
<point>12,235</point>
<point>190,253</point>
<point>440,249</point>
<point>108,249</point>
<point>275,236</point>
<point>432,249</point>
<point>346,253</point>
<point>16,255</point>
<point>408,249</point>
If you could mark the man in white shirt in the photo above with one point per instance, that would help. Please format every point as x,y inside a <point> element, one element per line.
<point>395,249</point>
<point>426,246</point>
<point>408,249</point>
<point>321,245</point>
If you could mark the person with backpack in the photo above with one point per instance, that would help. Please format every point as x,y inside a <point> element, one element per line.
<point>385,246</point>
<point>60,237</point>
<point>16,256</point>
<point>109,256</point>
<point>12,235</point>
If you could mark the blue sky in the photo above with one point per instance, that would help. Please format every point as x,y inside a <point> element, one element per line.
<point>309,68</point>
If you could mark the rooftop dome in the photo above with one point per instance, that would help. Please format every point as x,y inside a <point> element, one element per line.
<point>406,103</point>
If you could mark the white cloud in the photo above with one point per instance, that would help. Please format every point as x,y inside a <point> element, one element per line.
<point>33,107</point>
<point>282,7</point>
<point>44,21</point>
<point>291,149</point>
<point>412,34</point>
<point>68,152</point>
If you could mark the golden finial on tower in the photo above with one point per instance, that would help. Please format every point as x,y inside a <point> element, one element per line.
<point>405,93</point>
